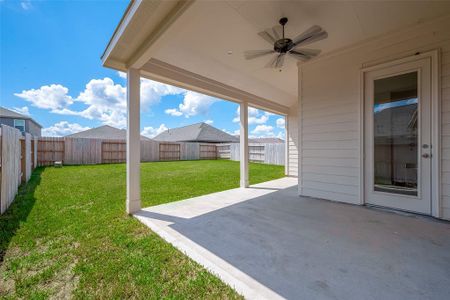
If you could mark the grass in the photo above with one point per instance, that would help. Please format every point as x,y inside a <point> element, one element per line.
<point>67,233</point>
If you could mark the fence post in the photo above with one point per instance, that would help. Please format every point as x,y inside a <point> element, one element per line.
<point>10,175</point>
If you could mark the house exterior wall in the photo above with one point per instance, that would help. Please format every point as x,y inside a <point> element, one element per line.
<point>30,126</point>
<point>331,112</point>
<point>8,122</point>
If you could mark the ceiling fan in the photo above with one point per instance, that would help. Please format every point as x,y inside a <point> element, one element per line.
<point>282,45</point>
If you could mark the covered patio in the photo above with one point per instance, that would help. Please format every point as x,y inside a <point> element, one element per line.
<point>282,238</point>
<point>267,242</point>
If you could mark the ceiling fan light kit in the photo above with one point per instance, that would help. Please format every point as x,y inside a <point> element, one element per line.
<point>283,45</point>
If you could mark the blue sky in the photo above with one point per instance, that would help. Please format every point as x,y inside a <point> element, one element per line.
<point>51,69</point>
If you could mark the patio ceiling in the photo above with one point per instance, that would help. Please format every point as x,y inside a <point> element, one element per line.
<point>198,36</point>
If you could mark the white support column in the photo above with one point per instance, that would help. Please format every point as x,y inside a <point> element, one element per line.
<point>286,146</point>
<point>133,141</point>
<point>244,144</point>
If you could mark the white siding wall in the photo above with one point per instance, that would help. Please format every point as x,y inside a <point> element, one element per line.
<point>292,141</point>
<point>445,131</point>
<point>330,111</point>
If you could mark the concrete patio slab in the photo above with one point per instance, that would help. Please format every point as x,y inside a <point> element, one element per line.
<point>267,242</point>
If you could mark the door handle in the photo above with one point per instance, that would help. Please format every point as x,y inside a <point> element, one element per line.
<point>426,155</point>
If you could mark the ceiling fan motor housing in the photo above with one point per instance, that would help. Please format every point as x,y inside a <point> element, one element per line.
<point>282,45</point>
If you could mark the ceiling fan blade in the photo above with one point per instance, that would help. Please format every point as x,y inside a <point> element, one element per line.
<point>267,36</point>
<point>271,62</point>
<point>277,32</point>
<point>251,54</point>
<point>280,60</point>
<point>299,55</point>
<point>304,54</point>
<point>312,38</point>
<point>309,52</point>
<point>306,34</point>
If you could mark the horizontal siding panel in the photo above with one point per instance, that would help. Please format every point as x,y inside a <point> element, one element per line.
<point>445,59</point>
<point>309,192</point>
<point>336,162</point>
<point>445,142</point>
<point>445,81</point>
<point>330,111</point>
<point>445,129</point>
<point>445,165</point>
<point>445,177</point>
<point>446,190</point>
<point>342,136</point>
<point>446,94</point>
<point>446,202</point>
<point>321,104</point>
<point>347,117</point>
<point>331,187</point>
<point>326,178</point>
<point>331,153</point>
<point>331,170</point>
<point>445,70</point>
<point>446,213</point>
<point>335,127</point>
<point>331,145</point>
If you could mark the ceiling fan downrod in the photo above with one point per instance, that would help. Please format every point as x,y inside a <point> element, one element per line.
<point>283,22</point>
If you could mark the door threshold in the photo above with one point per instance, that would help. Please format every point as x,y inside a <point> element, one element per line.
<point>404,213</point>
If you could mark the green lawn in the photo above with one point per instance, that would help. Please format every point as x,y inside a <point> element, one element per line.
<point>67,233</point>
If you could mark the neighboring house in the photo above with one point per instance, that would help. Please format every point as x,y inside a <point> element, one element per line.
<point>22,122</point>
<point>103,132</point>
<point>199,132</point>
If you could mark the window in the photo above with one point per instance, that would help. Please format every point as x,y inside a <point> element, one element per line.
<point>20,124</point>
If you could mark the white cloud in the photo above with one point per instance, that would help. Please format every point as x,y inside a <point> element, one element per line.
<point>104,100</point>
<point>236,132</point>
<point>263,131</point>
<point>26,5</point>
<point>280,123</point>
<point>210,122</point>
<point>152,91</point>
<point>63,128</point>
<point>173,112</point>
<point>193,104</point>
<point>280,135</point>
<point>53,97</point>
<point>152,132</point>
<point>22,110</point>
<point>255,116</point>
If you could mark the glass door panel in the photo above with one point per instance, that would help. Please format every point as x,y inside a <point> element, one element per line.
<point>395,134</point>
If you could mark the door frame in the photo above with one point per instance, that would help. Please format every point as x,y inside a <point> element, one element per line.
<point>434,57</point>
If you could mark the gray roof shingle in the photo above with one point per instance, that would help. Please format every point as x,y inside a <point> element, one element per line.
<point>6,113</point>
<point>199,132</point>
<point>103,132</point>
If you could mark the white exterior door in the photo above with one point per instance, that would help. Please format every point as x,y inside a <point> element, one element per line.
<point>397,139</point>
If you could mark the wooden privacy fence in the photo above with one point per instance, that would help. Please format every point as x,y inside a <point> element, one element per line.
<point>113,151</point>
<point>208,151</point>
<point>50,149</point>
<point>169,151</point>
<point>258,152</point>
<point>78,151</point>
<point>17,161</point>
